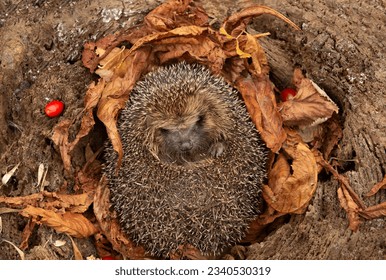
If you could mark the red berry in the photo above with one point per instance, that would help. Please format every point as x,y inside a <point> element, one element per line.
<point>108,258</point>
<point>54,108</point>
<point>287,94</point>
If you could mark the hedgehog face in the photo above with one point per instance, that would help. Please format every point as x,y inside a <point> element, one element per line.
<point>186,130</point>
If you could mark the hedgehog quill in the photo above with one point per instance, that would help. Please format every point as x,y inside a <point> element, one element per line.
<point>193,163</point>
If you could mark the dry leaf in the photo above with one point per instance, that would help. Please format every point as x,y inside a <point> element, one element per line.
<point>116,93</point>
<point>351,208</point>
<point>261,104</point>
<point>175,13</point>
<point>77,253</point>
<point>332,133</point>
<point>27,232</point>
<point>193,49</point>
<point>290,192</point>
<point>60,138</point>
<point>9,174</point>
<point>73,224</point>
<point>309,107</point>
<point>110,226</point>
<point>377,187</point>
<point>90,58</point>
<point>342,179</point>
<point>247,14</point>
<point>20,252</point>
<point>19,201</point>
<point>75,203</point>
<point>374,212</point>
<point>61,131</point>
<point>254,230</point>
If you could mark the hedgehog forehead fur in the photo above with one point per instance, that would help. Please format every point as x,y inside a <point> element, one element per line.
<point>162,203</point>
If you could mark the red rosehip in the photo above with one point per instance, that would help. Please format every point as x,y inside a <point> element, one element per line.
<point>54,108</point>
<point>287,94</point>
<point>108,258</point>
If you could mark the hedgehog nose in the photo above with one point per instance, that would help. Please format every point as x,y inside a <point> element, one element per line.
<point>186,146</point>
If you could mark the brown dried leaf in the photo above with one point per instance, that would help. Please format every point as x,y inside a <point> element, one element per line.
<point>374,212</point>
<point>254,230</point>
<point>247,14</point>
<point>19,201</point>
<point>261,104</point>
<point>161,18</point>
<point>197,49</point>
<point>27,232</point>
<point>61,131</point>
<point>73,224</point>
<point>179,31</point>
<point>116,93</point>
<point>74,203</point>
<point>110,226</point>
<point>20,252</point>
<point>77,253</point>
<point>341,178</point>
<point>310,106</point>
<point>291,193</point>
<point>269,214</point>
<point>103,246</point>
<point>60,138</point>
<point>90,58</point>
<point>351,208</point>
<point>377,187</point>
<point>330,137</point>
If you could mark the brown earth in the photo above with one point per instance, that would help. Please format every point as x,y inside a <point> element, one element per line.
<point>341,47</point>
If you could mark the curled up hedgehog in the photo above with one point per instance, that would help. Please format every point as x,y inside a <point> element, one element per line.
<point>193,163</point>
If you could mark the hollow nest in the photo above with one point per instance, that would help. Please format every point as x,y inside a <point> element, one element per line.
<point>295,130</point>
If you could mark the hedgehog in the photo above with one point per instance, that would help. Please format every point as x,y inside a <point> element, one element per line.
<point>193,163</point>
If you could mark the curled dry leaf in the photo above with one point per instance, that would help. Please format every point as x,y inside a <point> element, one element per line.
<point>374,212</point>
<point>247,14</point>
<point>20,252</point>
<point>341,178</point>
<point>110,226</point>
<point>73,224</point>
<point>9,174</point>
<point>291,192</point>
<point>254,230</point>
<point>61,131</point>
<point>77,203</point>
<point>27,232</point>
<point>260,101</point>
<point>116,92</point>
<point>77,253</point>
<point>19,201</point>
<point>377,187</point>
<point>170,14</point>
<point>309,107</point>
<point>351,208</point>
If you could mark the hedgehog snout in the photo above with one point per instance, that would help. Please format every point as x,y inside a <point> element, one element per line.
<point>186,145</point>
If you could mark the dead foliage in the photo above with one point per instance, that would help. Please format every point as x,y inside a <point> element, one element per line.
<point>301,132</point>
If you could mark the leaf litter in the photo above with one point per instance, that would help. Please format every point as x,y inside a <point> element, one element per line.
<point>300,133</point>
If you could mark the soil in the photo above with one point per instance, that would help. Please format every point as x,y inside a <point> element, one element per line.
<point>341,47</point>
